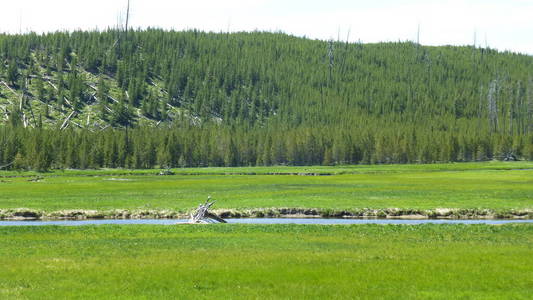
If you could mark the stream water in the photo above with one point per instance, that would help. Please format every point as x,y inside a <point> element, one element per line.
<point>317,221</point>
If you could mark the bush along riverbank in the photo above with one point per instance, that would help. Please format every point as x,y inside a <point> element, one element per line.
<point>438,213</point>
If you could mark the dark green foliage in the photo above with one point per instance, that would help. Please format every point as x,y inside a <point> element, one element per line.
<point>123,114</point>
<point>102,93</point>
<point>12,72</point>
<point>269,99</point>
<point>215,145</point>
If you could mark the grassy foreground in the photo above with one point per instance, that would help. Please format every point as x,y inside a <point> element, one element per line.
<point>491,185</point>
<point>265,262</point>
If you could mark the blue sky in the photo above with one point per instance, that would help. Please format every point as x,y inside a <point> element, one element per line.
<point>502,24</point>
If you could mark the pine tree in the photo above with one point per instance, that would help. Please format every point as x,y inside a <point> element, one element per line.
<point>102,91</point>
<point>12,73</point>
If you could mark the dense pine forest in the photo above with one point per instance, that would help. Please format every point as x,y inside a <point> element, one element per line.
<point>160,99</point>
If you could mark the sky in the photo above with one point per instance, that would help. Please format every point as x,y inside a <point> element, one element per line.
<point>499,24</point>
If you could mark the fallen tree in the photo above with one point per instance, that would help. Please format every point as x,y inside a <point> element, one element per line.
<point>203,216</point>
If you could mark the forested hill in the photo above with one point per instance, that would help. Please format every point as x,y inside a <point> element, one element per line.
<point>197,99</point>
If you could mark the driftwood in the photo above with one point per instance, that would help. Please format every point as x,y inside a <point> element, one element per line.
<point>36,179</point>
<point>203,216</point>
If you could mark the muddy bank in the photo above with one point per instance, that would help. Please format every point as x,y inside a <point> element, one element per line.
<point>439,213</point>
<point>378,213</point>
<point>30,214</point>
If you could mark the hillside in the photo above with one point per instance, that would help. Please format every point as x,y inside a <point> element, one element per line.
<point>337,102</point>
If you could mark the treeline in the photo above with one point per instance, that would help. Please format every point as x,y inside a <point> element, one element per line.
<point>43,149</point>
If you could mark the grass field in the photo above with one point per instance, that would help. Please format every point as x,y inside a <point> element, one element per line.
<point>270,261</point>
<point>265,262</point>
<point>493,185</point>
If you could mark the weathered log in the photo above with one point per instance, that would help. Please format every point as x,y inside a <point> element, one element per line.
<point>203,216</point>
<point>215,217</point>
<point>65,123</point>
<point>51,84</point>
<point>5,166</point>
<point>77,124</point>
<point>113,99</point>
<point>9,88</point>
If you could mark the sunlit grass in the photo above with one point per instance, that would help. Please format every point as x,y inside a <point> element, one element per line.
<point>266,262</point>
<point>476,185</point>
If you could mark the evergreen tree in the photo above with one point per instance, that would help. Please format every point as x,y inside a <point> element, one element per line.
<point>12,72</point>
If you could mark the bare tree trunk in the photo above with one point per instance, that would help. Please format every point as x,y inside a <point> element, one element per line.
<point>331,61</point>
<point>127,19</point>
<point>529,124</point>
<point>511,109</point>
<point>492,105</point>
<point>480,109</point>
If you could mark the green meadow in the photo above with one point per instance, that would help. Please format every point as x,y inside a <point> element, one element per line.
<point>267,262</point>
<point>491,185</point>
<point>230,261</point>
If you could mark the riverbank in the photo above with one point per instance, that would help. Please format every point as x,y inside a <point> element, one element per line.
<point>394,213</point>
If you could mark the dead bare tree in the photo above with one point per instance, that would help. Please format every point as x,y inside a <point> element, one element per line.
<point>480,108</point>
<point>529,117</point>
<point>331,61</point>
<point>512,109</point>
<point>120,27</point>
<point>127,19</point>
<point>418,35</point>
<point>492,105</point>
